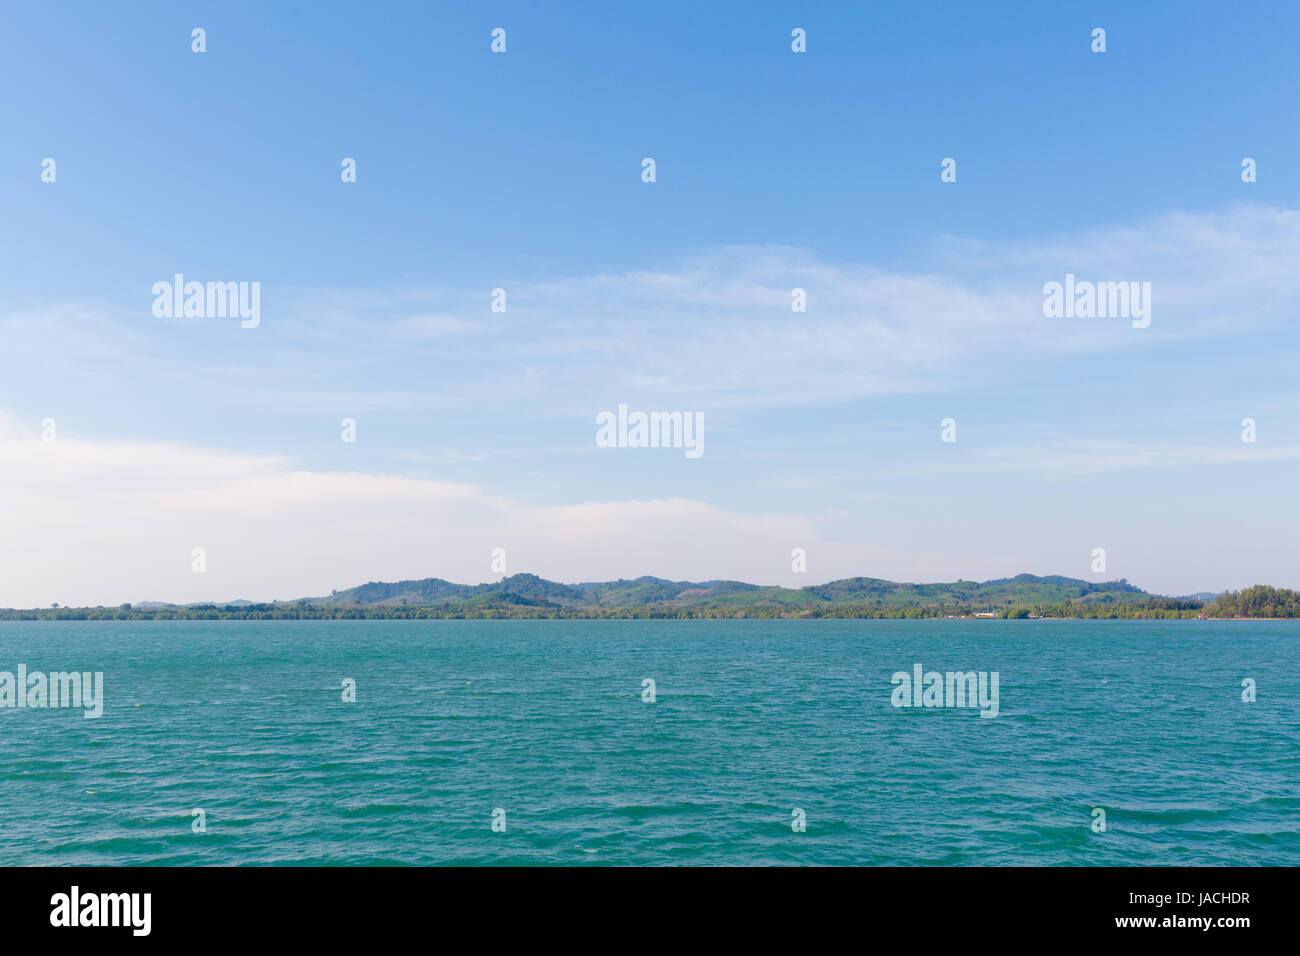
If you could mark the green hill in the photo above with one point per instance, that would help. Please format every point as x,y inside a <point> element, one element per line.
<point>651,596</point>
<point>529,596</point>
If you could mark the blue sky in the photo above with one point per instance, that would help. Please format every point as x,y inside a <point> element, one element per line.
<point>522,170</point>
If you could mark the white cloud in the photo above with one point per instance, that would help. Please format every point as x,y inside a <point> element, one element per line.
<point>107,522</point>
<point>111,520</point>
<point>713,330</point>
<point>1074,458</point>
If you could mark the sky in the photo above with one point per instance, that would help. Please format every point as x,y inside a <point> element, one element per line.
<point>130,439</point>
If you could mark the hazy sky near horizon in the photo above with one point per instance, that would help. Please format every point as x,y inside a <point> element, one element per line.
<point>775,170</point>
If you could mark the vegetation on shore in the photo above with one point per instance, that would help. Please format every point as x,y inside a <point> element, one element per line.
<point>527,596</point>
<point>1257,601</point>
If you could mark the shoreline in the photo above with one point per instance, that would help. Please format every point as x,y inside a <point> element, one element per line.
<point>28,617</point>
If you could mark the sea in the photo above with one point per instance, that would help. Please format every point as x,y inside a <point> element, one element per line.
<point>603,743</point>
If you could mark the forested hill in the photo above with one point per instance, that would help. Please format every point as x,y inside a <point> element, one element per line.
<point>529,596</point>
<point>645,591</point>
<point>1258,601</point>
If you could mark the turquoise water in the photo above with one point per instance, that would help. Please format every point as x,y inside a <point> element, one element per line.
<point>752,719</point>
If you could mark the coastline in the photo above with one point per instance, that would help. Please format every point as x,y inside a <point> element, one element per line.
<point>77,615</point>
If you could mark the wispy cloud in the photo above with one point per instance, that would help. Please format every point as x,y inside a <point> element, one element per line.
<point>105,522</point>
<point>1076,458</point>
<point>98,518</point>
<point>717,329</point>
